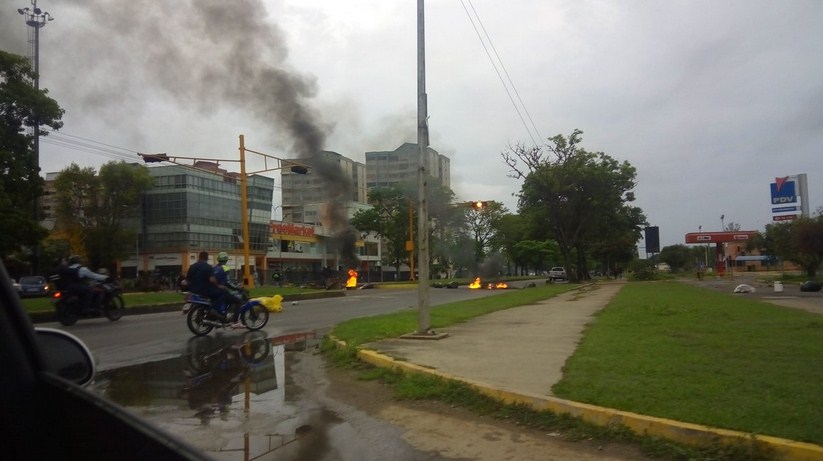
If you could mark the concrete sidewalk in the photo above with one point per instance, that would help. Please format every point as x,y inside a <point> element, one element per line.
<point>517,350</point>
<point>517,355</point>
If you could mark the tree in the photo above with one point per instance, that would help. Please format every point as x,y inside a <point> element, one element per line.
<point>534,255</point>
<point>482,224</point>
<point>511,229</point>
<point>575,197</point>
<point>393,218</point>
<point>21,106</point>
<point>799,241</point>
<point>679,257</point>
<point>388,219</point>
<point>732,227</point>
<point>91,209</point>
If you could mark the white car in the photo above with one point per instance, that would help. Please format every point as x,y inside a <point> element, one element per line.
<point>557,273</point>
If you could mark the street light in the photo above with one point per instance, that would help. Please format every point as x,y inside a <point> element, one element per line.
<point>294,166</point>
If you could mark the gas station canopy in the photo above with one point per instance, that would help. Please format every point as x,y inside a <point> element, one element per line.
<point>719,237</point>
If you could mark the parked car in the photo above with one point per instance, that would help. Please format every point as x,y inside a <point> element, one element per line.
<point>34,285</point>
<point>47,414</point>
<point>557,273</point>
<point>15,285</point>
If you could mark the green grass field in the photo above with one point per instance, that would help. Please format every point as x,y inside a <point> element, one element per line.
<point>695,355</point>
<point>675,351</point>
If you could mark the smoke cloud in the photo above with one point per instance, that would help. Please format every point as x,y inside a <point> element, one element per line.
<point>209,55</point>
<point>206,55</point>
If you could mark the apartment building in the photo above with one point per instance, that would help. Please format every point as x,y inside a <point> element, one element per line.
<point>305,197</point>
<point>390,168</point>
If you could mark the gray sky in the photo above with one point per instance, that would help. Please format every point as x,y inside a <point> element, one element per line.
<point>708,100</point>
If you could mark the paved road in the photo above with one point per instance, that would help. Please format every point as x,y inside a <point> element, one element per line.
<point>150,337</point>
<point>790,296</point>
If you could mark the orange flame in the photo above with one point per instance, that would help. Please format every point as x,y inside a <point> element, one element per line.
<point>476,284</point>
<point>502,285</point>
<point>352,281</point>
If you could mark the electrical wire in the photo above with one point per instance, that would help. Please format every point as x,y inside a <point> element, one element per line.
<point>503,67</point>
<point>90,146</point>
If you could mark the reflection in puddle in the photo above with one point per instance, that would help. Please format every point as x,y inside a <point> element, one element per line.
<point>227,395</point>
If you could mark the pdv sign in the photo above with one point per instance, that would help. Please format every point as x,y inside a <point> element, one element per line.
<point>783,191</point>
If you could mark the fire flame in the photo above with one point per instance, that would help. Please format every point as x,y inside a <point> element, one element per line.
<point>489,286</point>
<point>352,281</point>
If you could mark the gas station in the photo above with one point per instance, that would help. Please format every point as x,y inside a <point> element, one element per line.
<point>721,240</point>
<point>789,195</point>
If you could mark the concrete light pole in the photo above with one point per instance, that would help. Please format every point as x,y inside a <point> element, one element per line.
<point>423,322</point>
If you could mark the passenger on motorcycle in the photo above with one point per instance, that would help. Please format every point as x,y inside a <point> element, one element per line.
<point>76,276</point>
<point>202,280</point>
<point>222,276</point>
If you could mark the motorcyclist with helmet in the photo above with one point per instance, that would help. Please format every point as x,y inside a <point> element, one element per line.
<point>221,274</point>
<point>77,275</point>
<point>202,280</point>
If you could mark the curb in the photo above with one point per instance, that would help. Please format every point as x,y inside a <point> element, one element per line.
<point>685,433</point>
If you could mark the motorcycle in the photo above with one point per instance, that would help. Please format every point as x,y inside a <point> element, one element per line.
<point>203,317</point>
<point>238,291</point>
<point>69,307</point>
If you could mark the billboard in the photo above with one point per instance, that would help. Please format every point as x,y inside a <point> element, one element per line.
<point>652,239</point>
<point>786,193</point>
<point>783,191</point>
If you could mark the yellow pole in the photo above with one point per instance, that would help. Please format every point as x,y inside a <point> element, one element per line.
<point>410,244</point>
<point>244,219</point>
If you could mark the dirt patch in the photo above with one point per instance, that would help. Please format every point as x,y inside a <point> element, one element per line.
<point>452,432</point>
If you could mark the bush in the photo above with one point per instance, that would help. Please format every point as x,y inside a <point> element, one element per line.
<point>642,269</point>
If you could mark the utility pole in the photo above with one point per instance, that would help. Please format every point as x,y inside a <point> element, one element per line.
<point>36,19</point>
<point>423,324</point>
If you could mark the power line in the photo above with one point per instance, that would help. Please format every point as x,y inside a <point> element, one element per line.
<point>90,146</point>
<point>502,66</point>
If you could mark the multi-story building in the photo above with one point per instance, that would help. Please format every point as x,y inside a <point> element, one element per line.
<point>192,209</point>
<point>48,202</point>
<point>304,196</point>
<point>195,208</point>
<point>390,168</point>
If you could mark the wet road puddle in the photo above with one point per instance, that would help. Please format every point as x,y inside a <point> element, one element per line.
<point>229,395</point>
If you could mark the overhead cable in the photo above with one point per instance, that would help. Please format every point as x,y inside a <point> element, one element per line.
<point>474,16</point>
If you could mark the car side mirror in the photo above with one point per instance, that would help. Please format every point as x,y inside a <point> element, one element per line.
<point>64,355</point>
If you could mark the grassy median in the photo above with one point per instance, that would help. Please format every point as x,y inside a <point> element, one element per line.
<point>696,355</point>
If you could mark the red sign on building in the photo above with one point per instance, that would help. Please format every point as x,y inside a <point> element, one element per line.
<point>785,217</point>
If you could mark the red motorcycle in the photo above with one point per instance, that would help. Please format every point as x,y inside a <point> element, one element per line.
<point>70,307</point>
